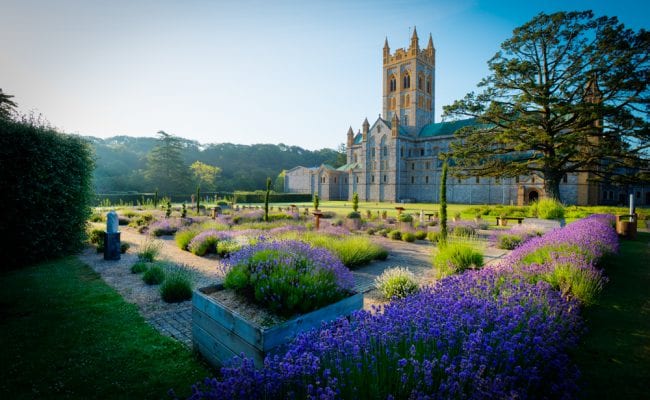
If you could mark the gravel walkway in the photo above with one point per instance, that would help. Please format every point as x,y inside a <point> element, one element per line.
<point>174,320</point>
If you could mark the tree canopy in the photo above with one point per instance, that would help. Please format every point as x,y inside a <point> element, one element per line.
<point>7,106</point>
<point>567,93</point>
<point>122,163</point>
<point>165,167</point>
<point>205,175</point>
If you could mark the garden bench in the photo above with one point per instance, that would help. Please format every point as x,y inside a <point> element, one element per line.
<point>504,220</point>
<point>429,215</point>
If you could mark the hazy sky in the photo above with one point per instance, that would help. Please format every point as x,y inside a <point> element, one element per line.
<point>293,72</point>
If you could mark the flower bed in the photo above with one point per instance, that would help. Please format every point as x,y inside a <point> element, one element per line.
<point>288,277</point>
<point>492,333</point>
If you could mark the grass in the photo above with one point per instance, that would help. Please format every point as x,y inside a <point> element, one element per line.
<point>614,357</point>
<point>456,257</point>
<point>66,334</point>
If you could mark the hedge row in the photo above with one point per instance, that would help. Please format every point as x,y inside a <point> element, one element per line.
<point>46,180</point>
<point>258,197</point>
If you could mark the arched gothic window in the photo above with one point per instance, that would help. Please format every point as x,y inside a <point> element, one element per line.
<point>406,81</point>
<point>392,83</point>
<point>429,86</point>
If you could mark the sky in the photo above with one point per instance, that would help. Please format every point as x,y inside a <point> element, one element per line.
<point>292,72</point>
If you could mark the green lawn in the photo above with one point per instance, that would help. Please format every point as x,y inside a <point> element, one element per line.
<point>66,334</point>
<point>614,357</point>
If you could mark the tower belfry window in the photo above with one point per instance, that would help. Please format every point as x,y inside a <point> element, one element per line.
<point>406,81</point>
<point>392,84</point>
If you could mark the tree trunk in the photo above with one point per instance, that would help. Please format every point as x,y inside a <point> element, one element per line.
<point>552,186</point>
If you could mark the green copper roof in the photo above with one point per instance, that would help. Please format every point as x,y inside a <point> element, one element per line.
<point>445,128</point>
<point>348,167</point>
<point>358,138</point>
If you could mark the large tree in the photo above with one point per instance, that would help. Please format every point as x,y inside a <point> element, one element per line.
<point>567,93</point>
<point>7,106</point>
<point>205,175</point>
<point>166,170</point>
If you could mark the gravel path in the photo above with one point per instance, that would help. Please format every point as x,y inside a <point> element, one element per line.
<point>174,320</point>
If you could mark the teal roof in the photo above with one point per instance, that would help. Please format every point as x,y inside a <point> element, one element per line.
<point>445,128</point>
<point>402,130</point>
<point>358,138</point>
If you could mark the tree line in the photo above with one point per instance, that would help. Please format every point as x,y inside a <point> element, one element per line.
<point>172,164</point>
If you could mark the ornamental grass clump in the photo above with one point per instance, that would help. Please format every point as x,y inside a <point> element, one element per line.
<point>397,282</point>
<point>408,237</point>
<point>154,275</point>
<point>547,209</point>
<point>176,288</point>
<point>453,258</point>
<point>149,250</point>
<point>184,236</point>
<point>288,277</point>
<point>509,242</point>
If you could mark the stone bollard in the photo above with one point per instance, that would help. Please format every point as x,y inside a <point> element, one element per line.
<point>112,237</point>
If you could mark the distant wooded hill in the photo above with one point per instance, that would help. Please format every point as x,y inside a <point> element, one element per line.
<point>121,162</point>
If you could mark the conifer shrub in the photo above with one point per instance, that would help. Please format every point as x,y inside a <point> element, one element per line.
<point>420,235</point>
<point>46,196</point>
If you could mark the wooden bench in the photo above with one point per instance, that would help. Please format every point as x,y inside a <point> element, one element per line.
<point>429,216</point>
<point>503,221</point>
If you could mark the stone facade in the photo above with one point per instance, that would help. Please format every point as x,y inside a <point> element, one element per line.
<point>396,159</point>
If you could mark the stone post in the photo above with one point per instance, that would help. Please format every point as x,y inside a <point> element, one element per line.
<point>112,237</point>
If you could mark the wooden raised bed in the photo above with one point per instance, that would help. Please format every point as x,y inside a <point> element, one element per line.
<point>219,333</point>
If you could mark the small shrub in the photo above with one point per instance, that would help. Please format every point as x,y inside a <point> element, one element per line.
<point>139,267</point>
<point>395,235</point>
<point>509,242</point>
<point>548,209</point>
<point>354,215</point>
<point>397,282</point>
<point>584,284</point>
<point>96,217</point>
<point>463,231</point>
<point>123,220</point>
<point>124,246</point>
<point>456,258</point>
<point>204,243</point>
<point>420,235</point>
<point>405,218</point>
<point>371,231</point>
<point>328,215</point>
<point>383,232</point>
<point>184,237</point>
<point>176,288</point>
<point>227,247</point>
<point>150,250</point>
<point>154,275</point>
<point>434,237</point>
<point>141,220</point>
<point>408,237</point>
<point>97,237</point>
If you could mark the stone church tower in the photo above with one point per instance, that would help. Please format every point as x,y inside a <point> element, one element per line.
<point>409,84</point>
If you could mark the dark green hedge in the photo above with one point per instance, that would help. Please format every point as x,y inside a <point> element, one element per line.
<point>46,181</point>
<point>258,197</point>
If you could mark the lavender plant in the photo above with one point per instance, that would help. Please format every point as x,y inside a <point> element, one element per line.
<point>288,277</point>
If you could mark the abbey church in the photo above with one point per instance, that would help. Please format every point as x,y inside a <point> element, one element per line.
<point>396,158</point>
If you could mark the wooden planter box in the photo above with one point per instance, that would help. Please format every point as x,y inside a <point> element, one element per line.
<point>219,333</point>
